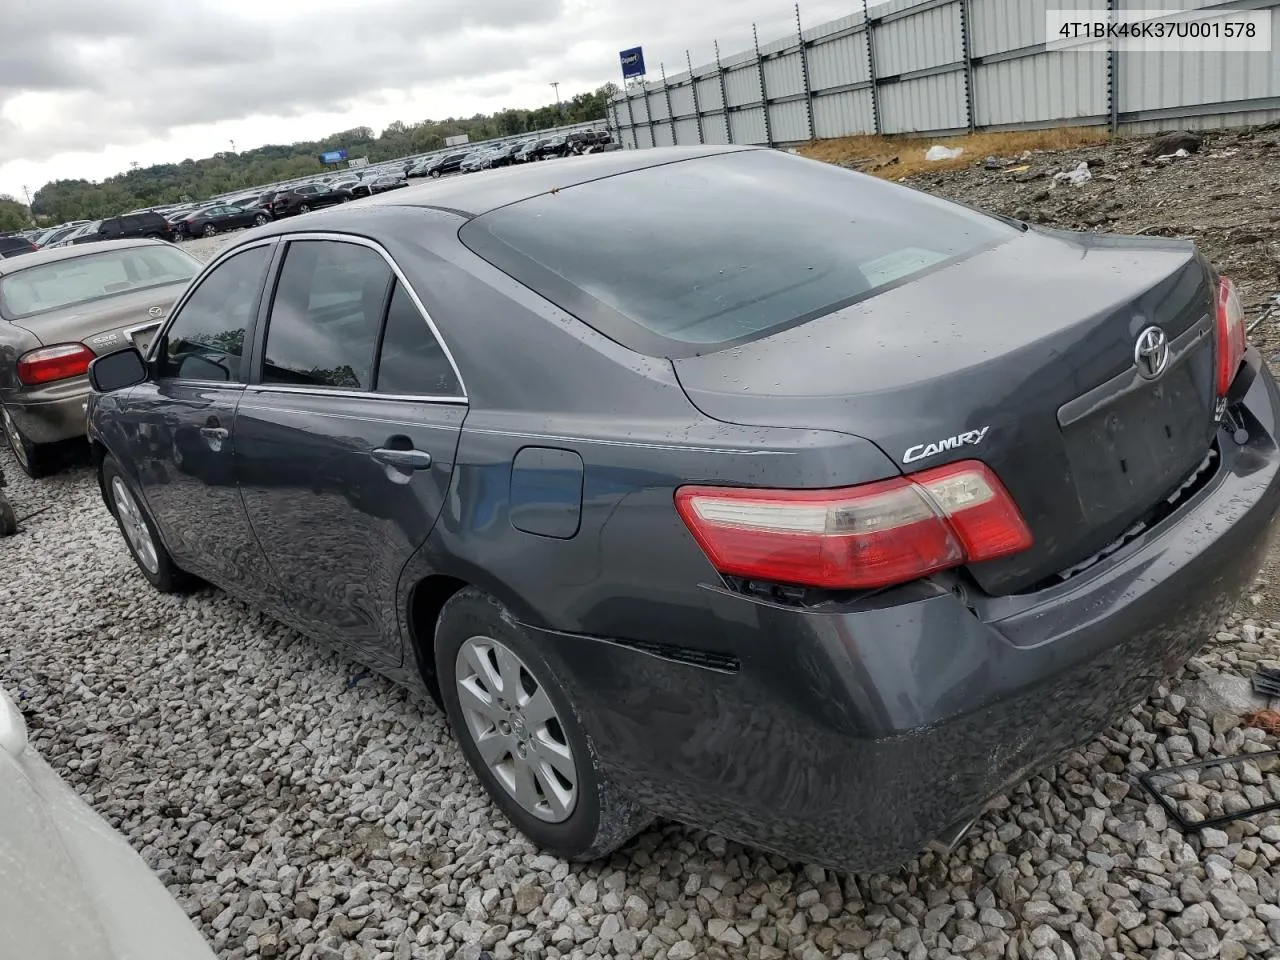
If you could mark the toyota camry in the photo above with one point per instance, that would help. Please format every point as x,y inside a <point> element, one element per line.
<point>711,484</point>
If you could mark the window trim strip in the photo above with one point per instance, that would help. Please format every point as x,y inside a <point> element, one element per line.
<point>353,394</point>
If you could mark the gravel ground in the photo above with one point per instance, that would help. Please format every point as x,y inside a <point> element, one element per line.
<point>203,248</point>
<point>298,806</point>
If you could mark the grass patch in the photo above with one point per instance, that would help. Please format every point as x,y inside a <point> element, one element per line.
<point>895,157</point>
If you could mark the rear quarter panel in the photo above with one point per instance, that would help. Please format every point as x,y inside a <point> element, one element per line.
<point>536,376</point>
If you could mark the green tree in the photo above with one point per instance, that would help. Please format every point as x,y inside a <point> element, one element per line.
<point>13,215</point>
<point>226,172</point>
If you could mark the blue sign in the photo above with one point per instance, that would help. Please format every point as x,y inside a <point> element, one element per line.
<point>632,62</point>
<point>333,156</point>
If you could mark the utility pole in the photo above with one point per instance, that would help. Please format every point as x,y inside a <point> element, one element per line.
<point>233,145</point>
<point>555,85</point>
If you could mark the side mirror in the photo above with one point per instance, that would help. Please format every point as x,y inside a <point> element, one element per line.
<point>115,371</point>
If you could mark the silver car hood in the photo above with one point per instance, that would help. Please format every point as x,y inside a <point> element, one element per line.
<point>71,887</point>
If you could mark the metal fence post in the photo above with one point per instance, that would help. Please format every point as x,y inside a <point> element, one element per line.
<point>613,117</point>
<point>804,73</point>
<point>764,90</point>
<point>967,48</point>
<point>648,112</point>
<point>671,117</point>
<point>724,95</point>
<point>631,122</point>
<point>1113,77</point>
<point>871,68</point>
<point>693,86</point>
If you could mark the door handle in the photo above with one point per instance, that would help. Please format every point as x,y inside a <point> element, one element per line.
<point>404,459</point>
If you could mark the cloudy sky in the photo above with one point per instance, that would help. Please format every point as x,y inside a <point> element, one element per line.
<point>89,86</point>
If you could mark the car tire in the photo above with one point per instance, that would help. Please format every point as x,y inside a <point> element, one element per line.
<point>583,818</point>
<point>261,220</point>
<point>435,174</point>
<point>8,519</point>
<point>139,532</point>
<point>36,459</point>
<point>209,230</point>
<point>304,208</point>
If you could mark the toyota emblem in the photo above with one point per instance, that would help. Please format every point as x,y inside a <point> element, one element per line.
<point>156,311</point>
<point>1151,353</point>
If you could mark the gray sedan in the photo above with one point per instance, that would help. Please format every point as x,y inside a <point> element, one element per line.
<point>71,888</point>
<point>714,484</point>
<point>61,308</point>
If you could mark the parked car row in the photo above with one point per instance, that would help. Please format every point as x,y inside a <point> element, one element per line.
<point>506,154</point>
<point>203,218</point>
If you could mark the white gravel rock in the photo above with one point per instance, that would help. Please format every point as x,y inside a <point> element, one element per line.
<point>299,807</point>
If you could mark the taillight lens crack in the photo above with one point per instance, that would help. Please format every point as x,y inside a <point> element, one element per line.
<point>868,536</point>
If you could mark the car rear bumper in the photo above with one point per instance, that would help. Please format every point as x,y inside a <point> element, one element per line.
<point>52,412</point>
<point>852,735</point>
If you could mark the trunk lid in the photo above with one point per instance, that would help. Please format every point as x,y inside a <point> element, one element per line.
<point>1022,357</point>
<point>110,324</point>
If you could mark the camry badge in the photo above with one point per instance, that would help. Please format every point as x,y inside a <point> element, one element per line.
<point>922,450</point>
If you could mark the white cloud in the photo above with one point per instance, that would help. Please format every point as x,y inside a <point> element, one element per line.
<point>87,87</point>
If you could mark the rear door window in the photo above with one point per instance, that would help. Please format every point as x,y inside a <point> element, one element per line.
<point>696,255</point>
<point>411,361</point>
<point>325,317</point>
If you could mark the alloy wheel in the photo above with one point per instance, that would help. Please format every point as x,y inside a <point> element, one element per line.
<point>210,229</point>
<point>135,526</point>
<point>260,220</point>
<point>304,208</point>
<point>515,727</point>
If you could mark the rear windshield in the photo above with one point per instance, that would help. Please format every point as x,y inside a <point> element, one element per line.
<point>67,283</point>
<point>703,253</point>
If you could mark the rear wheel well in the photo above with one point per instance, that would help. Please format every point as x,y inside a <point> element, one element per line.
<point>425,603</point>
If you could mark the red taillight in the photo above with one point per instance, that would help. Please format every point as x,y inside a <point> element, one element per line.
<point>860,537</point>
<point>54,363</point>
<point>1231,335</point>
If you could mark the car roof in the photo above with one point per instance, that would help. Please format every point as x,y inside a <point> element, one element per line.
<point>55,254</point>
<point>487,190</point>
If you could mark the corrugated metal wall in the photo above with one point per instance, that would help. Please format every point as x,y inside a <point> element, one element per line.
<point>942,66</point>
